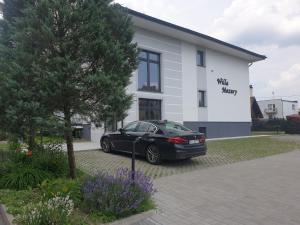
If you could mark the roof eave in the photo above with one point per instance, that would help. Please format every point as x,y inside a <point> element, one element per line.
<point>139,19</point>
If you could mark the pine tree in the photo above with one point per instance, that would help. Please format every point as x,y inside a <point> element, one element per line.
<point>79,53</point>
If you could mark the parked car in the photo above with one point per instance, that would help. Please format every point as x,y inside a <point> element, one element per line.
<point>159,140</point>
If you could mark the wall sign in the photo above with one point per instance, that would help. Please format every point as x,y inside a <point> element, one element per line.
<point>225,90</point>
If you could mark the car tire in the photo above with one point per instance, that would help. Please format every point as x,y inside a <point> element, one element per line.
<point>153,155</point>
<point>106,145</point>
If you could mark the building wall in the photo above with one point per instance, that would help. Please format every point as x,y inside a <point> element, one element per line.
<point>181,79</point>
<point>224,107</point>
<point>171,75</point>
<point>284,108</point>
<point>288,108</point>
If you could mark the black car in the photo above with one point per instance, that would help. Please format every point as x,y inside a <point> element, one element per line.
<point>159,140</point>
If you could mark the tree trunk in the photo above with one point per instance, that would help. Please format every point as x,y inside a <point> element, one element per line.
<point>31,138</point>
<point>69,141</point>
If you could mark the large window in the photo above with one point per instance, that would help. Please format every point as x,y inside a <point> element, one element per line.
<point>200,58</point>
<point>149,109</point>
<point>149,71</point>
<point>202,98</point>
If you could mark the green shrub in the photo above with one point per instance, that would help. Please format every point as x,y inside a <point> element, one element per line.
<point>62,187</point>
<point>52,159</point>
<point>20,178</point>
<point>54,211</point>
<point>292,127</point>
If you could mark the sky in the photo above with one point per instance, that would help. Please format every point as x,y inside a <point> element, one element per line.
<point>268,27</point>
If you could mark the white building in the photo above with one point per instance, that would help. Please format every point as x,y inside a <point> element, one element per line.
<point>190,78</point>
<point>278,108</point>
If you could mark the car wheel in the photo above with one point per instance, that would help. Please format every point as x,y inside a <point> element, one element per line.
<point>106,146</point>
<point>153,155</point>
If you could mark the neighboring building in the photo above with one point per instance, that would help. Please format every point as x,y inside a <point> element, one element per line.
<point>278,108</point>
<point>190,78</point>
<point>255,110</point>
<point>1,9</point>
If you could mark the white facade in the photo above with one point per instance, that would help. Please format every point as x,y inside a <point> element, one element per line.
<point>224,79</point>
<point>278,108</point>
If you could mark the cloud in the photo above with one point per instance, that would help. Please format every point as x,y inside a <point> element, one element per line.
<point>248,22</point>
<point>289,80</point>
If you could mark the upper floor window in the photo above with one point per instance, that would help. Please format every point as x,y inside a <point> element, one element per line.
<point>200,58</point>
<point>149,71</point>
<point>202,98</point>
<point>271,107</point>
<point>293,107</point>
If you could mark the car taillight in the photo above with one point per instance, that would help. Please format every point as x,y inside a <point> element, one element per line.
<point>202,139</point>
<point>177,140</point>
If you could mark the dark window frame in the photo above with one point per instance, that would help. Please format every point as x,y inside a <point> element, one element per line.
<point>200,55</point>
<point>202,98</point>
<point>147,107</point>
<point>148,61</point>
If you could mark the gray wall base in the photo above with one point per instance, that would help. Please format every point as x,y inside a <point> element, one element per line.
<point>221,129</point>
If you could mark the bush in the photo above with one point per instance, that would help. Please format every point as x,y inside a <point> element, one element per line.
<point>20,178</point>
<point>117,195</point>
<point>52,159</point>
<point>62,187</point>
<point>292,127</point>
<point>268,125</point>
<point>54,211</point>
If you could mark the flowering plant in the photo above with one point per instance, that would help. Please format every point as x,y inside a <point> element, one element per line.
<point>55,211</point>
<point>117,194</point>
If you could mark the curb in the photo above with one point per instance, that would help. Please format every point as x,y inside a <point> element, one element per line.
<point>134,219</point>
<point>6,218</point>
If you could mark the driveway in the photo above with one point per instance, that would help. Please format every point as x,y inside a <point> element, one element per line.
<point>219,153</point>
<point>263,191</point>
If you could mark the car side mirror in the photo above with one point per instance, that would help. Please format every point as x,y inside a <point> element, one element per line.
<point>122,131</point>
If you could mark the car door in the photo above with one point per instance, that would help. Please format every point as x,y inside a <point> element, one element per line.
<point>143,128</point>
<point>122,139</point>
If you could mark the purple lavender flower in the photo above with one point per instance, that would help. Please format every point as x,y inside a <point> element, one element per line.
<point>117,194</point>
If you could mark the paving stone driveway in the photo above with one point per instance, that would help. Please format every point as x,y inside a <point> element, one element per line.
<point>264,191</point>
<point>93,161</point>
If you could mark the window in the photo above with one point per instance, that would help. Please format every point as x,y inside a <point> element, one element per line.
<point>131,127</point>
<point>202,130</point>
<point>152,128</point>
<point>202,98</point>
<point>149,109</point>
<point>200,58</point>
<point>293,107</point>
<point>143,127</point>
<point>271,107</point>
<point>149,71</point>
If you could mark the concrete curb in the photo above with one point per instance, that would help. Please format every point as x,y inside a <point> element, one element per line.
<point>6,218</point>
<point>134,219</point>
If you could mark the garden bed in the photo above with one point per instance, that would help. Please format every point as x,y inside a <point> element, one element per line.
<point>35,189</point>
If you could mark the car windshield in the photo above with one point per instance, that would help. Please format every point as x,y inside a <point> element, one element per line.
<point>173,127</point>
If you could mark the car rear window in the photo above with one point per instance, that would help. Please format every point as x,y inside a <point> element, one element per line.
<point>172,127</point>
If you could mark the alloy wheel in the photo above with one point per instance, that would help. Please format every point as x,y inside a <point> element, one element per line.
<point>153,155</point>
<point>105,145</point>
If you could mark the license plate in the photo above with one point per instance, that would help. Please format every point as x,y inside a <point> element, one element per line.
<point>194,141</point>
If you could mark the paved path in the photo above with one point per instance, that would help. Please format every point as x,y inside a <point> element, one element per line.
<point>83,146</point>
<point>264,191</point>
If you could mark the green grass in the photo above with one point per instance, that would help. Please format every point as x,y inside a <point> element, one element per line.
<point>3,146</point>
<point>251,148</point>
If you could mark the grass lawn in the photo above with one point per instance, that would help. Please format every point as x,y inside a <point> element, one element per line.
<point>251,148</point>
<point>3,146</point>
